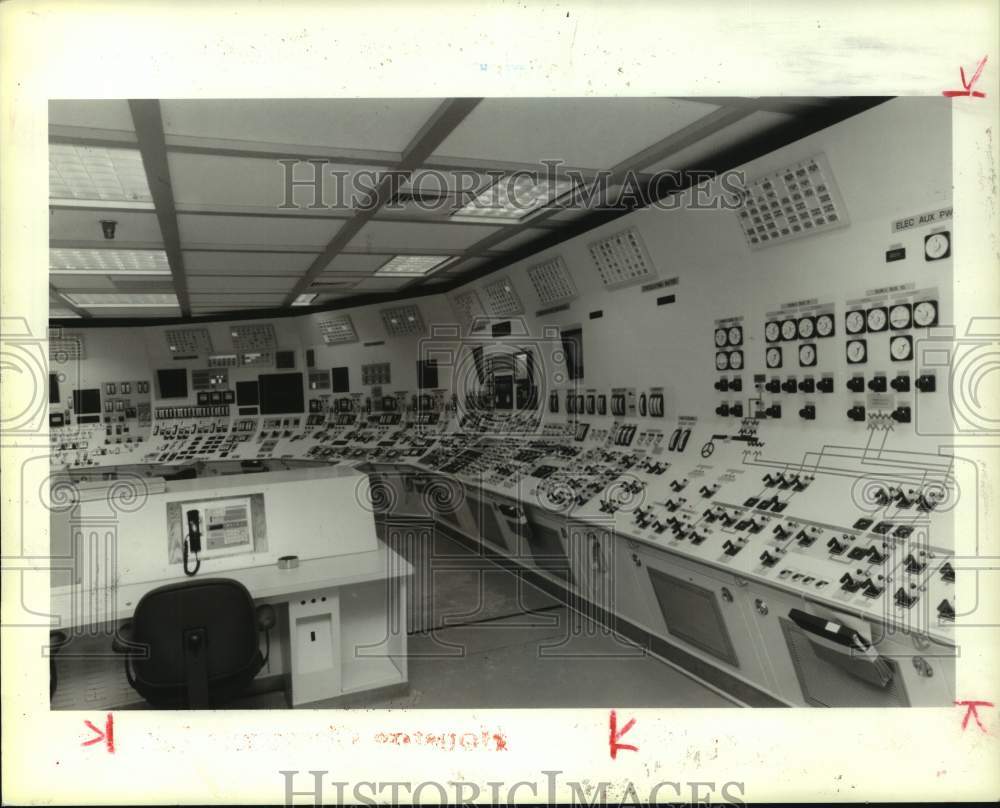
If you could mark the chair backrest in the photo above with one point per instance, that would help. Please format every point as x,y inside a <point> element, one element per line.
<point>201,635</point>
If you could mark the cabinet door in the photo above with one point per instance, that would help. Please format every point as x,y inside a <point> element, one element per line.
<point>604,574</point>
<point>704,611</point>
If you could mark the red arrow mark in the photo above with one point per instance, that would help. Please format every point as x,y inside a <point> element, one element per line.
<point>617,734</point>
<point>971,712</point>
<point>108,735</point>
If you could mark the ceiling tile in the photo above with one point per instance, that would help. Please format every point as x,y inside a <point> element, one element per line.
<point>94,114</point>
<point>364,123</point>
<point>246,263</point>
<point>582,132</point>
<point>256,231</point>
<point>356,263</point>
<point>76,224</point>
<point>208,179</point>
<point>383,284</point>
<point>215,283</point>
<point>399,237</point>
<point>698,155</point>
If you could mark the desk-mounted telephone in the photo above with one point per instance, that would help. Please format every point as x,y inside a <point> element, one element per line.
<point>192,541</point>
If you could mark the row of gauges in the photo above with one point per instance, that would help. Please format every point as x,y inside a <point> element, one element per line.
<point>729,337</point>
<point>900,349</point>
<point>897,317</point>
<point>807,356</point>
<point>802,328</point>
<point>731,360</point>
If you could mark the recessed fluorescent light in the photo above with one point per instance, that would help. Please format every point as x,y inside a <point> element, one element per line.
<point>101,300</point>
<point>94,172</point>
<point>304,300</point>
<point>67,261</point>
<point>62,314</point>
<point>412,264</point>
<point>510,199</point>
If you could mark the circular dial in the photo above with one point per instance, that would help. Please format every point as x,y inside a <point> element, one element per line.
<point>773,357</point>
<point>736,360</point>
<point>857,351</point>
<point>876,319</point>
<point>721,361</point>
<point>824,325</point>
<point>807,355</point>
<point>720,337</point>
<point>925,313</point>
<point>789,329</point>
<point>772,331</point>
<point>807,327</point>
<point>899,316</point>
<point>936,246</point>
<point>900,348</point>
<point>735,335</point>
<point>855,322</point>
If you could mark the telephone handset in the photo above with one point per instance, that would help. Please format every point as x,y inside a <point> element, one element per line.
<point>192,542</point>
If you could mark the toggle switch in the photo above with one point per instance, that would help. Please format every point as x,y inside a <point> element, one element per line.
<point>807,386</point>
<point>773,386</point>
<point>774,411</point>
<point>901,384</point>
<point>877,384</point>
<point>856,413</point>
<point>808,412</point>
<point>825,385</point>
<point>856,384</point>
<point>789,385</point>
<point>901,415</point>
<point>926,383</point>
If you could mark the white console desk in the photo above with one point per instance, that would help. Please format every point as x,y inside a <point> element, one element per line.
<point>345,601</point>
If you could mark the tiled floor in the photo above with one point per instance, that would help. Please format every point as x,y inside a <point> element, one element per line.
<point>490,640</point>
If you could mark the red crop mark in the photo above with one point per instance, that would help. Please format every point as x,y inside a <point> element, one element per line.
<point>971,711</point>
<point>967,90</point>
<point>107,735</point>
<point>617,734</point>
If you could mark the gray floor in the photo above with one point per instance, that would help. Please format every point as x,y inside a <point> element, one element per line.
<point>481,637</point>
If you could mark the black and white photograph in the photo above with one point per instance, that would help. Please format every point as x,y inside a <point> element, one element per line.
<point>424,417</point>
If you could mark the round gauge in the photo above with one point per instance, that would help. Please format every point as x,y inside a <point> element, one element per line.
<point>925,313</point>
<point>899,316</point>
<point>789,329</point>
<point>901,348</point>
<point>936,246</point>
<point>824,325</point>
<point>721,360</point>
<point>807,355</point>
<point>877,319</point>
<point>806,327</point>
<point>736,360</point>
<point>736,335</point>
<point>720,337</point>
<point>772,331</point>
<point>773,357</point>
<point>854,321</point>
<point>857,351</point>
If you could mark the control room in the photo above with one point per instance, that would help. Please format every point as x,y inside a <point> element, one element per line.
<point>500,402</point>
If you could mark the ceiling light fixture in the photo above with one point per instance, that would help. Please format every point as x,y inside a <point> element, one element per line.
<point>511,199</point>
<point>94,172</point>
<point>304,300</point>
<point>68,261</point>
<point>412,265</point>
<point>101,300</point>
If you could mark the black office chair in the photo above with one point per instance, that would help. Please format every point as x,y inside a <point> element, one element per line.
<point>193,644</point>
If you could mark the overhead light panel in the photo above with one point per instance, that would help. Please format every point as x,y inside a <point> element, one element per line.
<point>403,321</point>
<point>412,265</point>
<point>70,261</point>
<point>95,172</point>
<point>304,300</point>
<point>101,300</point>
<point>511,199</point>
